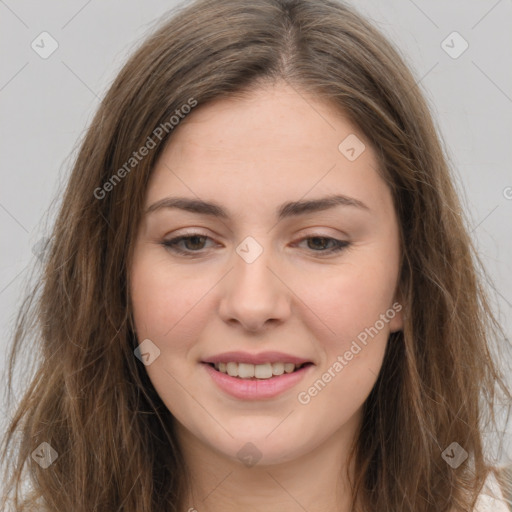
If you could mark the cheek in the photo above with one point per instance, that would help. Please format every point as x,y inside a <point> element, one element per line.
<point>167,310</point>
<point>351,306</point>
<point>164,303</point>
<point>352,299</point>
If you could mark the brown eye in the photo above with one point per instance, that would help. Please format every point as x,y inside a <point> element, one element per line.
<point>195,244</point>
<point>192,243</point>
<point>325,244</point>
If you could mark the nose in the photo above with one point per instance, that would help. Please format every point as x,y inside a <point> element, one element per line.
<point>254,295</point>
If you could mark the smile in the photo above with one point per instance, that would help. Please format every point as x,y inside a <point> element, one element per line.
<point>256,371</point>
<point>253,387</point>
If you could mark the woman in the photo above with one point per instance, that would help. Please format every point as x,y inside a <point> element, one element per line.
<point>260,292</point>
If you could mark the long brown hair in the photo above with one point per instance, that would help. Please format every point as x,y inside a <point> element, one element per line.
<point>90,399</point>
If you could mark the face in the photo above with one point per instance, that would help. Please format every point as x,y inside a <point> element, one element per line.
<point>269,272</point>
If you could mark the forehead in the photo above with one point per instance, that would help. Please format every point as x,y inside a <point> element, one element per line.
<point>270,122</point>
<point>274,141</point>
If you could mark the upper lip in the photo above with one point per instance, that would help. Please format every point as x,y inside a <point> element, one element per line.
<point>261,358</point>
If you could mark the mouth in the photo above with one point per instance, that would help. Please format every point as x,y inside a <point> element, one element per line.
<point>258,372</point>
<point>257,381</point>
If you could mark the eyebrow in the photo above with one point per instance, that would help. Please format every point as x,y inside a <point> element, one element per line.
<point>286,210</point>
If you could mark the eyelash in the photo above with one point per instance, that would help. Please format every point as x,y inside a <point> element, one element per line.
<point>172,244</point>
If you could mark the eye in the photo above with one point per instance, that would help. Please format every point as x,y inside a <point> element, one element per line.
<point>320,244</point>
<point>194,244</point>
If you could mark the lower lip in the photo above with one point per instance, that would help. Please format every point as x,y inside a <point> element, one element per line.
<point>246,389</point>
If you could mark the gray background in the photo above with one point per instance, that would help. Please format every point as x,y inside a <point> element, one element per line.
<point>48,103</point>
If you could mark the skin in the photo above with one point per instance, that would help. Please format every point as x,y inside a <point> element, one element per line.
<point>251,155</point>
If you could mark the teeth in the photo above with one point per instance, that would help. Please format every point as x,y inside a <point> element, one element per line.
<point>277,368</point>
<point>263,371</point>
<point>258,371</point>
<point>289,367</point>
<point>232,369</point>
<point>245,371</point>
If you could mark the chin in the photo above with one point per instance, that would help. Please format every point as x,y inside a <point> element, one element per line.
<point>261,449</point>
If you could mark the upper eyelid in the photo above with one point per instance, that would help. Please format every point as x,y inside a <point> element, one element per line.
<point>179,238</point>
<point>199,232</point>
<point>302,237</point>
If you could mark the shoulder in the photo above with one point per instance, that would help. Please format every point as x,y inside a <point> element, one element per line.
<point>491,498</point>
